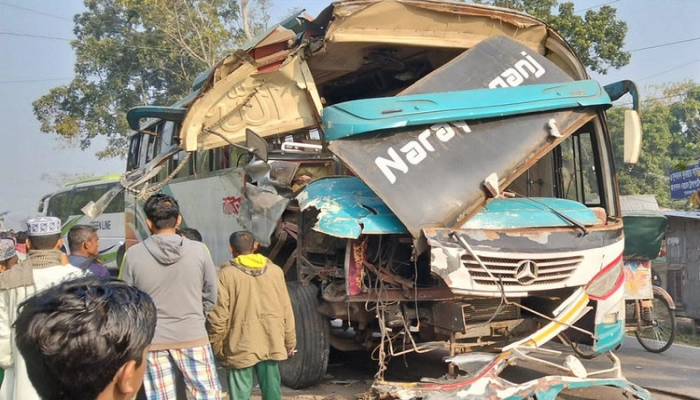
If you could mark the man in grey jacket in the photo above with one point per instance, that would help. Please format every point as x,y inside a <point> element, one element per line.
<point>180,277</point>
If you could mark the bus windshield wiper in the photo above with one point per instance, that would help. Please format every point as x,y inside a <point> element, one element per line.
<point>561,215</point>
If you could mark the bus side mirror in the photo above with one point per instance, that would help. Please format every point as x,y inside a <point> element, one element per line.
<point>42,204</point>
<point>256,144</point>
<point>633,137</point>
<point>633,122</point>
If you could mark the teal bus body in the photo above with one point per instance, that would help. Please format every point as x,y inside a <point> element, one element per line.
<point>359,116</point>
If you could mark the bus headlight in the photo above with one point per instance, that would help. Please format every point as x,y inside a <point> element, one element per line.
<point>607,281</point>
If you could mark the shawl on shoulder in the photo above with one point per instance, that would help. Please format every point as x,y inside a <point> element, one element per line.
<point>21,274</point>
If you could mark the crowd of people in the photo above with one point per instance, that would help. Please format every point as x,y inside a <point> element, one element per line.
<point>70,331</point>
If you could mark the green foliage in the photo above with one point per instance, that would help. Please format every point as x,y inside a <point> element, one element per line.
<point>138,52</point>
<point>685,110</point>
<point>597,37</point>
<point>669,124</point>
<point>134,52</point>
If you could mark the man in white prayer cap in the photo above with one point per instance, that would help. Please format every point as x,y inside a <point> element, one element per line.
<point>44,267</point>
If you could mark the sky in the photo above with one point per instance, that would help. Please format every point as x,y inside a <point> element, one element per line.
<point>663,37</point>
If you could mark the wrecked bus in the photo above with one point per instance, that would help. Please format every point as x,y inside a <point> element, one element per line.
<point>428,174</point>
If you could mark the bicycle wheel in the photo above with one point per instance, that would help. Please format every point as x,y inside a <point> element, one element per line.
<point>658,328</point>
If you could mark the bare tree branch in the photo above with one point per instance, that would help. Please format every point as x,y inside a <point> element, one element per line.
<point>245,18</point>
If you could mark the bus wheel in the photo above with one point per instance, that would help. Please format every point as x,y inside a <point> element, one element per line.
<point>308,365</point>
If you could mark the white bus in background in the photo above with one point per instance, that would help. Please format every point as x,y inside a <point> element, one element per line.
<point>66,204</point>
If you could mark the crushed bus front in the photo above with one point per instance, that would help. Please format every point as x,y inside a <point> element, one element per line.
<point>439,179</point>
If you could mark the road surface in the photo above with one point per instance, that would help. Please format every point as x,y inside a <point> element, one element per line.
<point>674,374</point>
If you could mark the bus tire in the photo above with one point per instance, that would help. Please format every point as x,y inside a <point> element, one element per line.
<point>308,365</point>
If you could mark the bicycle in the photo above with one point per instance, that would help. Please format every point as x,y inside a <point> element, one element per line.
<point>653,321</point>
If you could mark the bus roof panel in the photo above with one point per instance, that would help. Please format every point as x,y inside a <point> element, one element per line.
<point>95,180</point>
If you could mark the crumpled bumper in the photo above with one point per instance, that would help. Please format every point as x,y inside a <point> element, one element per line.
<point>483,369</point>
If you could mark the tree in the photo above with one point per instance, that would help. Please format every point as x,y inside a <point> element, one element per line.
<point>685,110</point>
<point>670,122</point>
<point>597,37</point>
<point>138,52</point>
<point>254,16</point>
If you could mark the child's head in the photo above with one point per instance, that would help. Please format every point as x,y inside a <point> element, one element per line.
<point>86,338</point>
<point>191,233</point>
<point>242,243</point>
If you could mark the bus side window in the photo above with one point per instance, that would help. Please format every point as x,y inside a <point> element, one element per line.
<point>167,135</point>
<point>214,159</point>
<point>83,195</point>
<point>186,170</point>
<point>116,205</point>
<point>580,179</point>
<point>175,160</point>
<point>58,206</point>
<point>143,149</point>
<point>154,143</point>
<point>202,161</point>
<point>149,147</point>
<point>221,158</point>
<point>133,157</point>
<point>43,204</point>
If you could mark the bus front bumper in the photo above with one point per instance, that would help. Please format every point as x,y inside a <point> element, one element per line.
<point>484,381</point>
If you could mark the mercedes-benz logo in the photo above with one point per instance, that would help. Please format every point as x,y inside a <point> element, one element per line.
<point>527,272</point>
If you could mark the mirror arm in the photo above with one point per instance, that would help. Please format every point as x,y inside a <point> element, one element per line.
<point>227,140</point>
<point>619,89</point>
